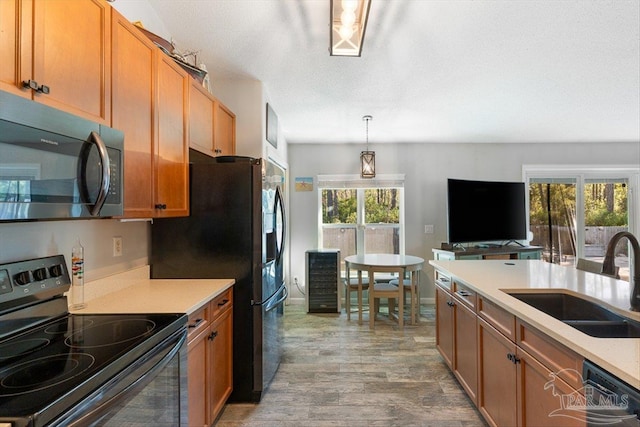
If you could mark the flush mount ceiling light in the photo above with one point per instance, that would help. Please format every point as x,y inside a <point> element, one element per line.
<point>367,158</point>
<point>348,22</point>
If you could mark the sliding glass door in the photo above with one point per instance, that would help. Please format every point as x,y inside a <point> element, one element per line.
<point>574,214</point>
<point>552,218</point>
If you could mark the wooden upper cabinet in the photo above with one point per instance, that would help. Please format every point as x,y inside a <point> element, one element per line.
<point>15,44</point>
<point>64,48</point>
<point>171,150</point>
<point>133,108</point>
<point>201,108</point>
<point>212,126</point>
<point>225,130</point>
<point>149,98</point>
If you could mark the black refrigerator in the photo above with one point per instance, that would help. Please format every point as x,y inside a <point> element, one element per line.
<point>236,229</point>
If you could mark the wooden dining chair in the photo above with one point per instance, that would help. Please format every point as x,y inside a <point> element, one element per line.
<point>413,289</point>
<point>390,292</point>
<point>351,285</point>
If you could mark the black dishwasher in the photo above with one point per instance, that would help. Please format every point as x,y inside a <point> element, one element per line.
<point>609,400</point>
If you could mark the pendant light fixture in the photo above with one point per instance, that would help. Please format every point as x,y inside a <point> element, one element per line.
<point>348,24</point>
<point>367,158</point>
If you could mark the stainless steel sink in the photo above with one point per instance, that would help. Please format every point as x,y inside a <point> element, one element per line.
<point>586,316</point>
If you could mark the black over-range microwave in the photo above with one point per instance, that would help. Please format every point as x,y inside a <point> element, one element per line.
<point>54,165</point>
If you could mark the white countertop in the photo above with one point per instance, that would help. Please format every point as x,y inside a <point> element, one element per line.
<point>490,278</point>
<point>158,296</point>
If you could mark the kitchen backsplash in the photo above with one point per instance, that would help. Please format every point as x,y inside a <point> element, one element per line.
<point>26,240</point>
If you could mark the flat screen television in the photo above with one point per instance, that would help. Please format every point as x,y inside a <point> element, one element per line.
<point>485,211</point>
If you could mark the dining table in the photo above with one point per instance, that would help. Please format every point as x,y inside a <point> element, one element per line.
<point>386,263</point>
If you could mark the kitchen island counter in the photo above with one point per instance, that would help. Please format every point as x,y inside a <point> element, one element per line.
<point>494,278</point>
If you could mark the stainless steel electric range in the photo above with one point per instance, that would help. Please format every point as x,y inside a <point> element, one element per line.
<point>61,369</point>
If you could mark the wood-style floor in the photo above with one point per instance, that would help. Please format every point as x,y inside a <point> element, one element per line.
<point>338,373</point>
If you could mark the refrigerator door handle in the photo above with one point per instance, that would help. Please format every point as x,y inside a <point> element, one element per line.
<point>278,207</point>
<point>285,294</point>
<point>272,296</point>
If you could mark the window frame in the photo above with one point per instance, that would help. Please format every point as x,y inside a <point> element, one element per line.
<point>582,174</point>
<point>355,182</point>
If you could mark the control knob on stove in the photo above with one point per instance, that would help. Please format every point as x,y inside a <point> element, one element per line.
<point>22,278</point>
<point>40,273</point>
<point>55,270</point>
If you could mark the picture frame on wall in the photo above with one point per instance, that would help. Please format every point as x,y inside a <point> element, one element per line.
<point>272,126</point>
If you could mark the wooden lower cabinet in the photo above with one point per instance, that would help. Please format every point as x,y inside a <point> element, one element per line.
<point>540,392</point>
<point>444,322</point>
<point>197,367</point>
<point>221,363</point>
<point>515,374</point>
<point>497,400</point>
<point>456,338</point>
<point>466,349</point>
<point>210,355</point>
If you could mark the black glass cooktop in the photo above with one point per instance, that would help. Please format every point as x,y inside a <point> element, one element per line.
<point>72,355</point>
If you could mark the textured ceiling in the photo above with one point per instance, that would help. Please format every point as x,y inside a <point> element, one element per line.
<point>430,70</point>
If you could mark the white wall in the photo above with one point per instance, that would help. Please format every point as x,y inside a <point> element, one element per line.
<point>25,240</point>
<point>141,10</point>
<point>427,167</point>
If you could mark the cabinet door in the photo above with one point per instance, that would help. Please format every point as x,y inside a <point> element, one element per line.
<point>221,374</point>
<point>72,56</point>
<point>171,156</point>
<point>133,89</point>
<point>444,325</point>
<point>466,349</point>
<point>197,368</point>
<point>540,395</point>
<point>201,123</point>
<point>225,131</point>
<point>497,400</point>
<point>15,45</point>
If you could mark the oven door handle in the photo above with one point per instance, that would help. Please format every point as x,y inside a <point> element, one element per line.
<point>98,404</point>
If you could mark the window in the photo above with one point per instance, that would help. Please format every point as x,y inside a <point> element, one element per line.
<point>574,212</point>
<point>359,216</point>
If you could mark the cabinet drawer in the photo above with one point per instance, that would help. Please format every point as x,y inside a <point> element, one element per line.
<point>221,303</point>
<point>444,281</point>
<point>497,256</point>
<point>553,355</point>
<point>465,295</point>
<point>497,317</point>
<point>529,255</point>
<point>198,322</point>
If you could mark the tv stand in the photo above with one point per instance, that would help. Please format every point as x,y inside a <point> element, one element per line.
<point>500,252</point>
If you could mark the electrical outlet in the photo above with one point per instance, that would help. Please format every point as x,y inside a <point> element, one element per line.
<point>428,229</point>
<point>117,246</point>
